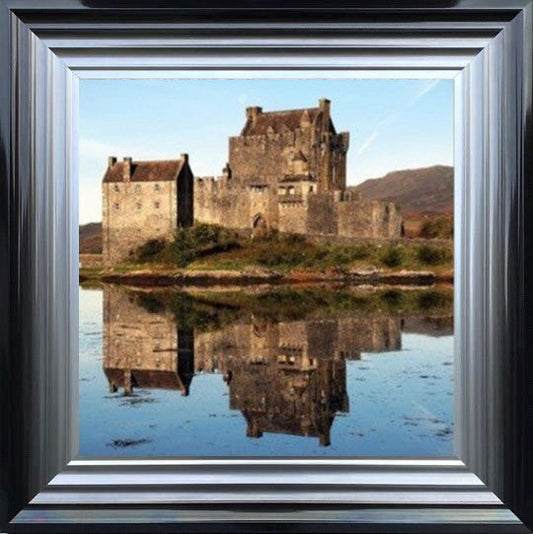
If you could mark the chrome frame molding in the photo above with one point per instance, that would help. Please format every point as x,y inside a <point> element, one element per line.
<point>46,46</point>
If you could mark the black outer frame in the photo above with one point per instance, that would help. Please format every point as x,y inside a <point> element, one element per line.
<point>494,212</point>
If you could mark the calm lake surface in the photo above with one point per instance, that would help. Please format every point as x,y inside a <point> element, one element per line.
<point>306,374</point>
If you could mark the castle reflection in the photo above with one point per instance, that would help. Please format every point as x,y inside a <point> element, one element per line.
<point>284,376</point>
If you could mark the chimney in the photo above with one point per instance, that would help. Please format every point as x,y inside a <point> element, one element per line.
<point>226,171</point>
<point>111,160</point>
<point>253,112</point>
<point>324,105</point>
<point>126,170</point>
<point>185,157</point>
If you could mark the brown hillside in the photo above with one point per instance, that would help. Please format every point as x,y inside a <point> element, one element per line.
<point>91,238</point>
<point>417,191</point>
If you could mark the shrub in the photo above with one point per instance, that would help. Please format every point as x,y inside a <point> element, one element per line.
<point>392,257</point>
<point>149,250</point>
<point>433,299</point>
<point>204,234</point>
<point>440,227</point>
<point>392,298</point>
<point>431,255</point>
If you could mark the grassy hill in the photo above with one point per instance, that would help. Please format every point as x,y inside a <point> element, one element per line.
<point>424,195</point>
<point>91,238</point>
<point>418,192</point>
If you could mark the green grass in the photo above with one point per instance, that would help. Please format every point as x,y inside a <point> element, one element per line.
<point>211,247</point>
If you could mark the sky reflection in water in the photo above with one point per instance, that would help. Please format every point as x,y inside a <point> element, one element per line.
<point>327,384</point>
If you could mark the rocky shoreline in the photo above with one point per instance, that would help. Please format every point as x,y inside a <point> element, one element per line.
<point>253,276</point>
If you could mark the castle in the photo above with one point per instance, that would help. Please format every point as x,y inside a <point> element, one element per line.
<point>286,171</point>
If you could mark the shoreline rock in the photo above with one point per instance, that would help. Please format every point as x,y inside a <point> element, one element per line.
<point>254,276</point>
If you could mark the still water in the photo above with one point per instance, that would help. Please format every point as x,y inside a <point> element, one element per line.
<point>278,375</point>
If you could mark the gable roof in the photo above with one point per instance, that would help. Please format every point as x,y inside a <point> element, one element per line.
<point>147,171</point>
<point>279,121</point>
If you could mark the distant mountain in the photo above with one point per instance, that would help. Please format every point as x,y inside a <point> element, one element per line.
<point>91,238</point>
<point>417,191</point>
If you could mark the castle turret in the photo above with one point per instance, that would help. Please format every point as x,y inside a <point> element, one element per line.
<point>253,112</point>
<point>325,178</point>
<point>324,105</point>
<point>226,172</point>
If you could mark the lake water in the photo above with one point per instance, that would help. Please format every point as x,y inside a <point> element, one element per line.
<point>285,375</point>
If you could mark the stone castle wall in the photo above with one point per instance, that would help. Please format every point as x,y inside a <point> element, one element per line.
<point>368,218</point>
<point>334,214</point>
<point>293,215</point>
<point>133,213</point>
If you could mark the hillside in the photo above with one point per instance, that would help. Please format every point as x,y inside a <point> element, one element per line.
<point>91,238</point>
<point>417,191</point>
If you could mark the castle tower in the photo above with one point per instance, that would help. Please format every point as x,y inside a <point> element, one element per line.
<point>278,146</point>
<point>143,200</point>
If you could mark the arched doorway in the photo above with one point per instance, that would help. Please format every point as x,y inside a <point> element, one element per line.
<point>259,226</point>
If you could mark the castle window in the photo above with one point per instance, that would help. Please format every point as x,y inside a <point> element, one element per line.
<point>116,188</point>
<point>139,205</point>
<point>116,206</point>
<point>138,188</point>
<point>291,190</point>
<point>157,187</point>
<point>311,188</point>
<point>156,205</point>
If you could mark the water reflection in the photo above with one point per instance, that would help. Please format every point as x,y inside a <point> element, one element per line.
<point>284,368</point>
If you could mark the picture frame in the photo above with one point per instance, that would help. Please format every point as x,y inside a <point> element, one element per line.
<point>485,46</point>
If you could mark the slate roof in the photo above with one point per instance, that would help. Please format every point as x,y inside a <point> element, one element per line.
<point>280,121</point>
<point>146,171</point>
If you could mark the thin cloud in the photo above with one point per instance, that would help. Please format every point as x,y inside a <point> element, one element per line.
<point>425,90</point>
<point>387,121</point>
<point>368,142</point>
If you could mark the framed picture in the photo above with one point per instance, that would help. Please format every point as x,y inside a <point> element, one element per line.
<point>67,464</point>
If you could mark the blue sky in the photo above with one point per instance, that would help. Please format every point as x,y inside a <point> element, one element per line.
<point>393,124</point>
